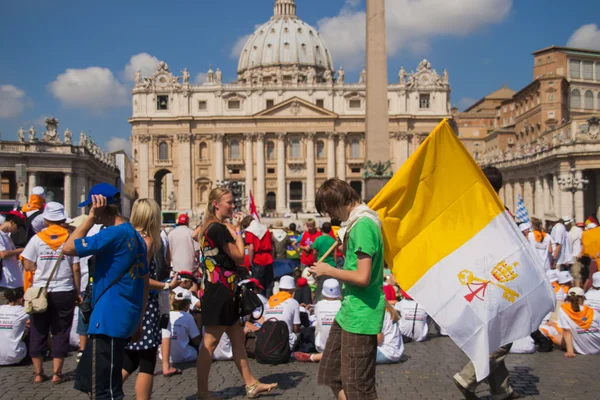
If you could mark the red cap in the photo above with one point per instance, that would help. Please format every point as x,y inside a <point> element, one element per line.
<point>257,283</point>
<point>183,219</point>
<point>188,276</point>
<point>16,216</point>
<point>301,282</point>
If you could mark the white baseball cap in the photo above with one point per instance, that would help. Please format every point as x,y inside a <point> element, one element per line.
<point>287,283</point>
<point>39,191</point>
<point>552,275</point>
<point>596,280</point>
<point>568,220</point>
<point>576,291</point>
<point>564,277</point>
<point>183,295</point>
<point>54,212</point>
<point>524,226</point>
<point>331,289</point>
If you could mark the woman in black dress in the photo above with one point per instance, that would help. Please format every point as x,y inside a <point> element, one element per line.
<point>222,247</point>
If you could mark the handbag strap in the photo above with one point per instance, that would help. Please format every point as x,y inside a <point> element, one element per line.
<point>412,333</point>
<point>113,283</point>
<point>58,261</point>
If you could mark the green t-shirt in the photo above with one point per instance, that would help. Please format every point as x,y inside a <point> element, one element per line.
<point>363,307</point>
<point>321,245</point>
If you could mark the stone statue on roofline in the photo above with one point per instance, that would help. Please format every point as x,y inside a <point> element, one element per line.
<point>32,134</point>
<point>21,134</point>
<point>341,76</point>
<point>137,77</point>
<point>68,136</point>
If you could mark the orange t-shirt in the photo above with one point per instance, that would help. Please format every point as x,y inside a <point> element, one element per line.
<point>591,242</point>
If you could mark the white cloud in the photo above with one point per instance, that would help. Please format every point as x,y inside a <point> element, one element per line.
<point>586,37</point>
<point>12,101</point>
<point>239,46</point>
<point>140,62</point>
<point>117,143</point>
<point>200,78</point>
<point>410,25</point>
<point>93,88</point>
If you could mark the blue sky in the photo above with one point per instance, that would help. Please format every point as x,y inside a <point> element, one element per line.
<point>47,47</point>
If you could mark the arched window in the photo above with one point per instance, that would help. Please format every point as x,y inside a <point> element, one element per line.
<point>270,150</point>
<point>163,151</point>
<point>203,151</point>
<point>354,148</point>
<point>203,194</point>
<point>588,101</point>
<point>320,149</point>
<point>234,149</point>
<point>598,99</point>
<point>295,148</point>
<point>575,99</point>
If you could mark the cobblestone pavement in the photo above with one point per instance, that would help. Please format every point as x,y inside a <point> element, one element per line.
<point>425,374</point>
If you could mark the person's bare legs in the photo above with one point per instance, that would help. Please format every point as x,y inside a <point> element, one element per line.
<point>143,386</point>
<point>167,368</point>
<point>316,357</point>
<point>82,342</point>
<point>339,394</point>
<point>58,369</point>
<point>38,369</point>
<point>238,344</point>
<point>210,341</point>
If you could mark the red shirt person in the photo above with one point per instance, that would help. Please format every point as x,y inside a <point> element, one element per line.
<point>260,253</point>
<point>307,258</point>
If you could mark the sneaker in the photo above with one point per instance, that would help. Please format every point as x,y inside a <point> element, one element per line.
<point>302,357</point>
<point>467,394</point>
<point>79,354</point>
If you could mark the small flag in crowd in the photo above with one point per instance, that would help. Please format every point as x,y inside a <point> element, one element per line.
<point>456,250</point>
<point>522,216</point>
<point>252,207</point>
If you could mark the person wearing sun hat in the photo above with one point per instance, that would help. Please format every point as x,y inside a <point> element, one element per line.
<point>592,296</point>
<point>580,325</point>
<point>283,307</point>
<point>11,276</point>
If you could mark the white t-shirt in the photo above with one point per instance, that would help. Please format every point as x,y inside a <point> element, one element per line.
<point>392,346</point>
<point>412,313</point>
<point>258,313</point>
<point>45,258</point>
<point>195,300</point>
<point>84,265</point>
<point>183,329</point>
<point>592,299</point>
<point>575,239</point>
<point>325,311</point>
<point>183,249</point>
<point>525,345</point>
<point>37,224</point>
<point>12,275</point>
<point>561,237</point>
<point>542,249</point>
<point>13,321</point>
<point>224,351</point>
<point>288,312</point>
<point>584,342</point>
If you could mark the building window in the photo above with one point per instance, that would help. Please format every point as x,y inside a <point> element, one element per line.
<point>320,170</point>
<point>575,99</point>
<point>235,171</point>
<point>355,148</point>
<point>551,96</point>
<point>355,170</point>
<point>588,102</point>
<point>424,100</point>
<point>203,151</point>
<point>234,150</point>
<point>270,170</point>
<point>295,148</point>
<point>598,102</point>
<point>320,150</point>
<point>163,151</point>
<point>548,60</point>
<point>574,71</point>
<point>270,103</point>
<point>234,104</point>
<point>321,103</point>
<point>355,104</point>
<point>539,61</point>
<point>202,105</point>
<point>587,68</point>
<point>598,71</point>
<point>550,114</point>
<point>162,102</point>
<point>270,150</point>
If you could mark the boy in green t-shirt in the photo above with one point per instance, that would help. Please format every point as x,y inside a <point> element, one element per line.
<point>321,245</point>
<point>348,364</point>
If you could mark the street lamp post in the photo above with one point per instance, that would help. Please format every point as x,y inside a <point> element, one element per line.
<point>573,182</point>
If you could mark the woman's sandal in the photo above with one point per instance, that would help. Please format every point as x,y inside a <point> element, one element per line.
<point>40,378</point>
<point>60,379</point>
<point>252,390</point>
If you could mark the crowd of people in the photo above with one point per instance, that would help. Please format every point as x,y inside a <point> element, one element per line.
<point>325,291</point>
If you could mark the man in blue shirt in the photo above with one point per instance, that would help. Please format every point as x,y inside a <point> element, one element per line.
<point>119,295</point>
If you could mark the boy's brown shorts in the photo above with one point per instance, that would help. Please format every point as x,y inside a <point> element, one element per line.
<point>349,364</point>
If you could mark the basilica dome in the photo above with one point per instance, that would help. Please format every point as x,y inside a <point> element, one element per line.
<point>285,41</point>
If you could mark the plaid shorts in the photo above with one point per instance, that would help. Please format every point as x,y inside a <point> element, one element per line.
<point>348,364</point>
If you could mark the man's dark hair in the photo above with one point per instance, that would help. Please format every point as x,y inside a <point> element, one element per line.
<point>326,228</point>
<point>13,295</point>
<point>335,193</point>
<point>336,222</point>
<point>293,227</point>
<point>246,221</point>
<point>494,176</point>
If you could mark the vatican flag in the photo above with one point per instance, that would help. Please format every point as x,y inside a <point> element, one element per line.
<point>456,250</point>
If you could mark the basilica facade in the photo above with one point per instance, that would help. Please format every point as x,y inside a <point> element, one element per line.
<point>286,124</point>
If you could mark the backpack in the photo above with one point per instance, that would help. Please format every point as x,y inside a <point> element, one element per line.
<point>24,234</point>
<point>273,343</point>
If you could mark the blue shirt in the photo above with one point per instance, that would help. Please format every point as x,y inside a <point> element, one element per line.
<point>119,311</point>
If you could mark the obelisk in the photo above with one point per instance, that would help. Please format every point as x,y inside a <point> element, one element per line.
<point>377,136</point>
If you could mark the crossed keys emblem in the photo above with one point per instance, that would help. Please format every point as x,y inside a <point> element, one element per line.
<point>502,273</point>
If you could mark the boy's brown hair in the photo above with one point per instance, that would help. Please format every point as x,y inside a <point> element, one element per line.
<point>335,193</point>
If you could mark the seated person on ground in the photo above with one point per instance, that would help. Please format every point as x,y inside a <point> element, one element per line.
<point>303,294</point>
<point>13,323</point>
<point>184,335</point>
<point>592,296</point>
<point>565,280</point>
<point>283,307</point>
<point>413,319</point>
<point>580,325</point>
<point>188,281</point>
<point>389,342</point>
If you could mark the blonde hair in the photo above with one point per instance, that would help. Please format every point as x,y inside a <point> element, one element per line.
<point>210,215</point>
<point>393,313</point>
<point>145,218</point>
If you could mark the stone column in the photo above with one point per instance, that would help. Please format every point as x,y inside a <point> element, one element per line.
<point>248,140</point>
<point>539,198</point>
<point>82,191</point>
<point>331,155</point>
<point>260,172</point>
<point>341,156</point>
<point>528,198</point>
<point>281,185</point>
<point>31,182</point>
<point>68,193</point>
<point>557,196</point>
<point>218,160</point>
<point>144,173</point>
<point>509,195</point>
<point>401,149</point>
<point>501,194</point>
<point>310,171</point>
<point>184,196</point>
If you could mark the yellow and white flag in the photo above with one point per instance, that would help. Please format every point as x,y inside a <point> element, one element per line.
<point>456,250</point>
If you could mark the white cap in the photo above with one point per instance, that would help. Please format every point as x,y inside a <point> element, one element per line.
<point>310,279</point>
<point>564,277</point>
<point>54,212</point>
<point>576,291</point>
<point>2,219</point>
<point>596,280</point>
<point>524,226</point>
<point>331,289</point>
<point>39,191</point>
<point>552,275</point>
<point>568,220</point>
<point>287,283</point>
<point>183,295</point>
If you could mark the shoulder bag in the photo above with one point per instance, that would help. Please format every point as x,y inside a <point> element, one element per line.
<point>87,308</point>
<point>36,298</point>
